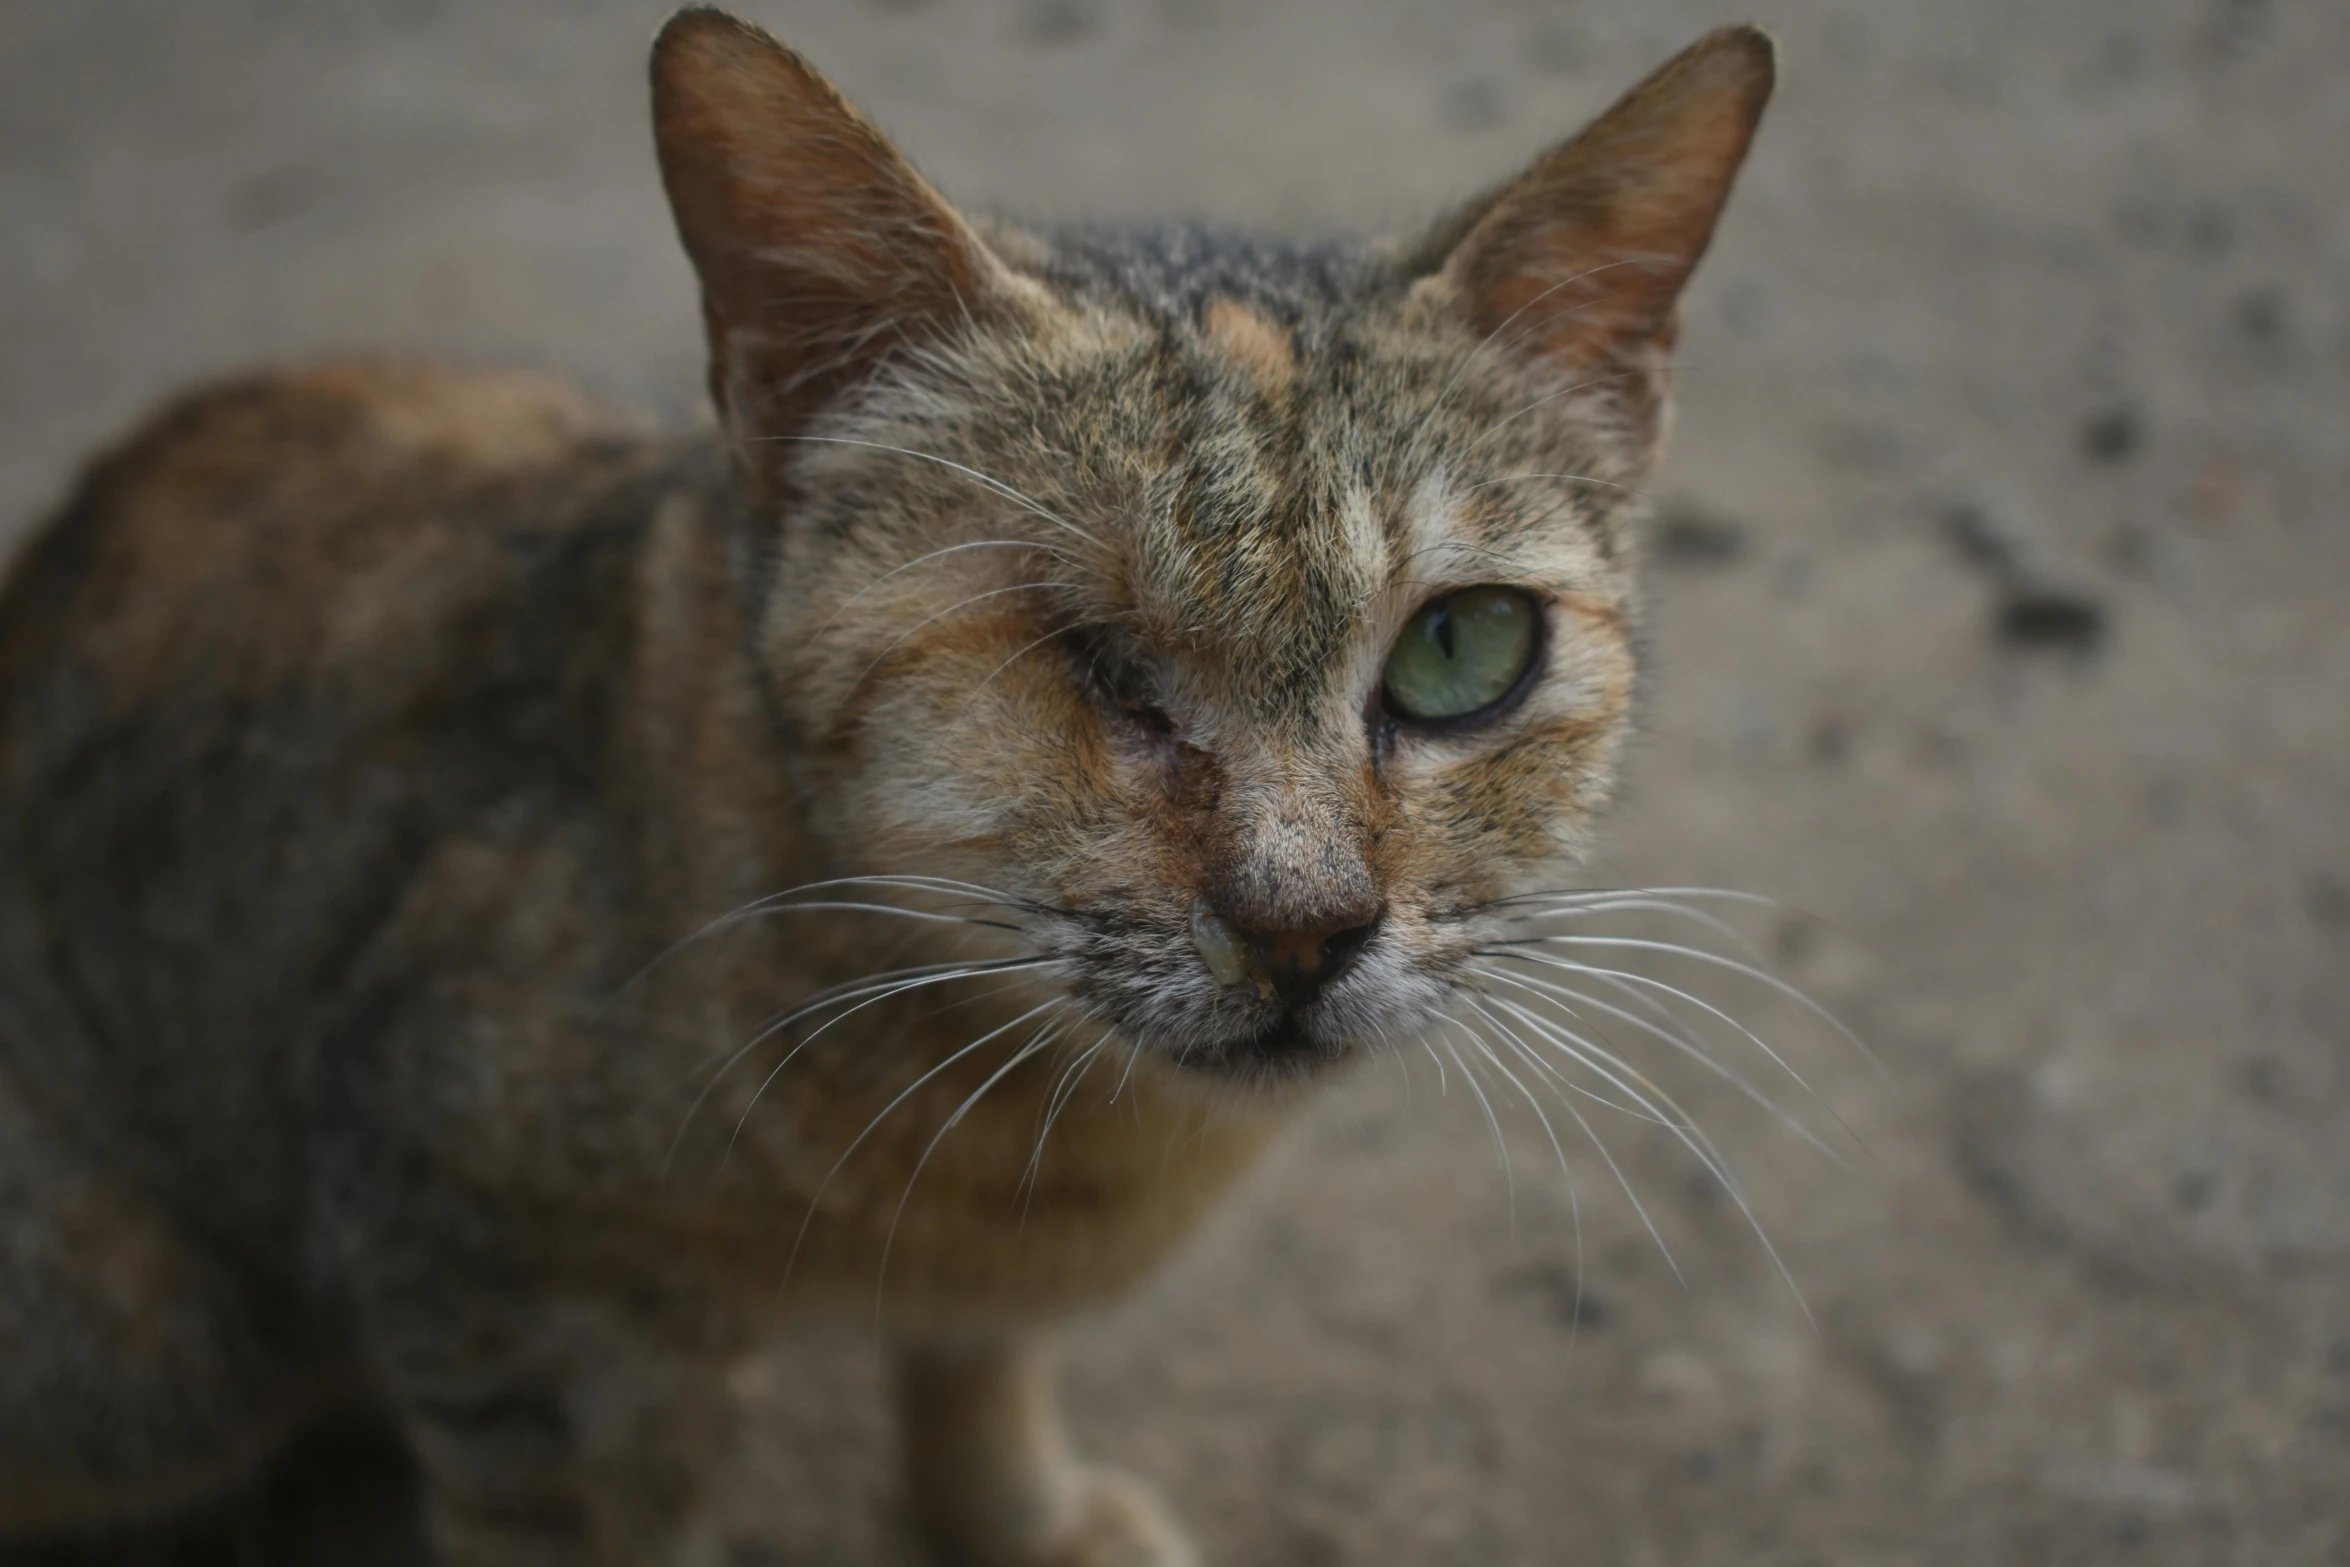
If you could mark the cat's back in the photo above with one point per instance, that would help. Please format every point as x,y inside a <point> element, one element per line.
<point>281,639</point>
<point>226,532</point>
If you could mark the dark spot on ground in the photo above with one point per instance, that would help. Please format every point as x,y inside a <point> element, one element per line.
<point>1939,748</point>
<point>1557,48</point>
<point>2209,233</point>
<point>2051,619</point>
<point>1689,537</point>
<point>2264,1079</point>
<point>1979,541</point>
<point>2328,898</point>
<point>2260,314</point>
<point>1794,939</point>
<point>2112,435</point>
<point>2234,26</point>
<point>1554,1286</point>
<point>270,198</point>
<point>1472,104</point>
<point>1860,447</point>
<point>2194,1189</point>
<point>2136,221</point>
<point>1745,306</point>
<point>2129,548</point>
<point>1830,741</point>
<point>1059,21</point>
<point>1707,1193</point>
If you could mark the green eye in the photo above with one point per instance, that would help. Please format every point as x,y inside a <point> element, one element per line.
<point>1461,654</point>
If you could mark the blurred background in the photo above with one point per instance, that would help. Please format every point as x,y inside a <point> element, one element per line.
<point>1998,626</point>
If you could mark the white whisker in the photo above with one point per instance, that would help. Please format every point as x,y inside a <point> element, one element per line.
<point>1624,979</point>
<point>1622,1181</point>
<point>1760,976</point>
<point>816,1198</point>
<point>1428,420</point>
<point>1566,1169</point>
<point>891,982</point>
<point>1692,1136</point>
<point>1064,1089</point>
<point>1027,648</point>
<point>1501,1146</point>
<point>1033,506</point>
<point>758,907</point>
<point>930,555</point>
<point>1634,904</point>
<point>927,621</point>
<point>1044,1036</point>
<point>1011,967</point>
<point>1569,478</point>
<point>1498,425</point>
<point>1686,1043</point>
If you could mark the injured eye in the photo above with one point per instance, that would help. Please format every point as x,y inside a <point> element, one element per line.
<point>1462,655</point>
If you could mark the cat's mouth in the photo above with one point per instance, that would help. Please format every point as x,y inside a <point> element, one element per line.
<point>1284,1048</point>
<point>1287,1036</point>
<point>1288,977</point>
<point>1231,1033</point>
<point>1228,1005</point>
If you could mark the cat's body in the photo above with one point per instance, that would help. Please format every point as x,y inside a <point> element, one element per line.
<point>394,1060</point>
<point>381,743</point>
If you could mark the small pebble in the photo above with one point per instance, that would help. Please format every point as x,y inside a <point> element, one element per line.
<point>2049,618</point>
<point>1696,538</point>
<point>2112,436</point>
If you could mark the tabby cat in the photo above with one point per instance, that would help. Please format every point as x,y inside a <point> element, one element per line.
<point>499,910</point>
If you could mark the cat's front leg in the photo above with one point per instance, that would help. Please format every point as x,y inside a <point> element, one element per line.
<point>554,1436</point>
<point>995,1481</point>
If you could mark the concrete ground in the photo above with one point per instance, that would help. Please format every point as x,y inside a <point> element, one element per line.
<point>1998,627</point>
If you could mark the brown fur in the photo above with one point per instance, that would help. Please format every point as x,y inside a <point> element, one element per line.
<point>381,744</point>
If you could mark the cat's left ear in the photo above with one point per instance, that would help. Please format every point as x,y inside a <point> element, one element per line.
<point>1579,263</point>
<point>820,249</point>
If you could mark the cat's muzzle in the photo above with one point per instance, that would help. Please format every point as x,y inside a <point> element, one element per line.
<point>1287,969</point>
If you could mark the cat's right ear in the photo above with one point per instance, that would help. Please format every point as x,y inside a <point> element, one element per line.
<point>819,248</point>
<point>1578,264</point>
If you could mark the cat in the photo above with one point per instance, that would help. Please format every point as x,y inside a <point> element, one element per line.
<point>500,910</point>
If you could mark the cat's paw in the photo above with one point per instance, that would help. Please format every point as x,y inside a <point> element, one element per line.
<point>1117,1521</point>
<point>1106,1518</point>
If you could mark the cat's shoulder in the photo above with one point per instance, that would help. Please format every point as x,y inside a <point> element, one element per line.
<point>318,441</point>
<point>311,424</point>
<point>242,510</point>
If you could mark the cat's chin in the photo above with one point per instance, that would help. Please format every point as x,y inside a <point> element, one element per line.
<point>1283,1056</point>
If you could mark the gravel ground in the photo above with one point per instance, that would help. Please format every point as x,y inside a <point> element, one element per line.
<point>1998,628</point>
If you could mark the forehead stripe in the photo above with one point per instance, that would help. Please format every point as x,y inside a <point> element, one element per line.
<point>1262,348</point>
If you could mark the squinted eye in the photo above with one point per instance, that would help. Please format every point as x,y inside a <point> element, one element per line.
<point>1461,654</point>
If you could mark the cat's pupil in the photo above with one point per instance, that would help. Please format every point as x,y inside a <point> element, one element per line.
<point>1440,628</point>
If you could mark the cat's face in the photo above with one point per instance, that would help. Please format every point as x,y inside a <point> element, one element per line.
<point>1252,619</point>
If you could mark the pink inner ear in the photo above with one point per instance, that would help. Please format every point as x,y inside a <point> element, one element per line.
<point>1582,259</point>
<point>818,246</point>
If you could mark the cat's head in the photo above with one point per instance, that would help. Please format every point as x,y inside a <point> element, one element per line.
<point>1254,617</point>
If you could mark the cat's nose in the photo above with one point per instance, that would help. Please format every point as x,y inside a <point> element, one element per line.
<point>1295,965</point>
